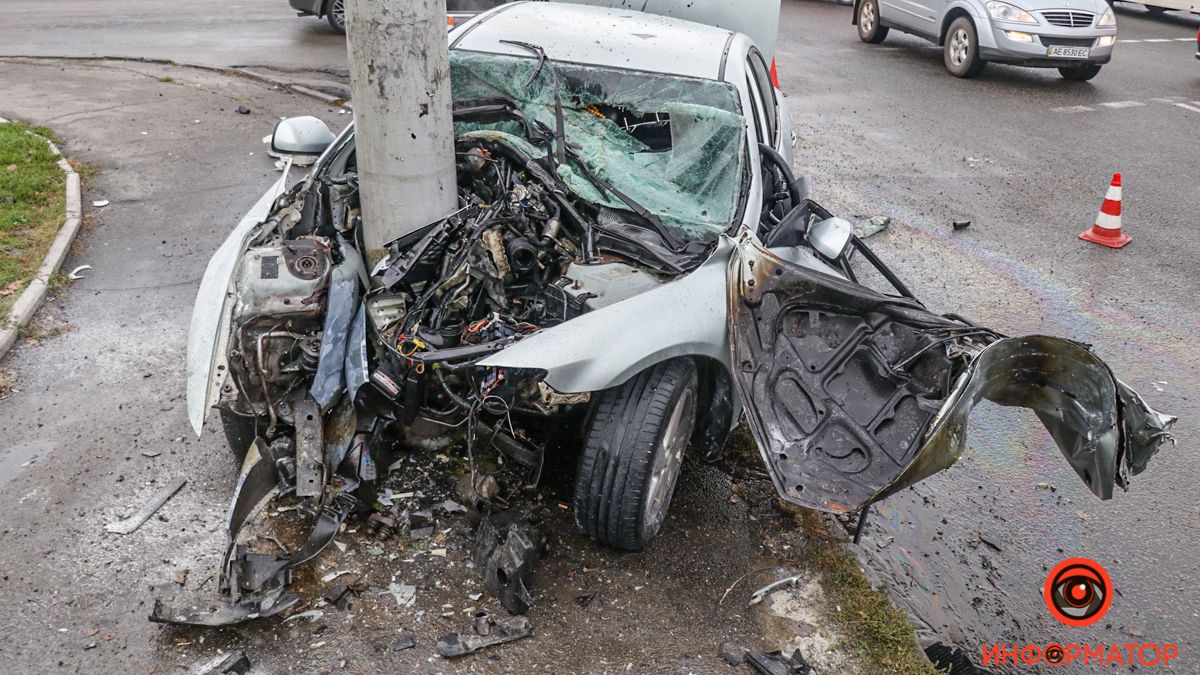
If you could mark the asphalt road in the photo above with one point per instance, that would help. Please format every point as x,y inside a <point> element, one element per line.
<point>1026,157</point>
<point>884,130</point>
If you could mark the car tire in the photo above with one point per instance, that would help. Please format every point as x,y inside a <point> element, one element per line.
<point>961,50</point>
<point>335,14</point>
<point>240,432</point>
<point>1080,73</point>
<point>632,454</point>
<point>869,28</point>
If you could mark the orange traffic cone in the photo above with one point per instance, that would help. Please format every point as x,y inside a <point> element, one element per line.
<point>1107,230</point>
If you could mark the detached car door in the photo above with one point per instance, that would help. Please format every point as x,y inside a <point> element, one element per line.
<point>853,394</point>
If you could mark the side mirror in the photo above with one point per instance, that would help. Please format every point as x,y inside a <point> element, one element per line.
<point>830,237</point>
<point>301,136</point>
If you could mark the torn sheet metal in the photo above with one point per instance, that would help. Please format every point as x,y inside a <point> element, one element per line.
<point>252,584</point>
<point>775,663</point>
<point>853,395</point>
<point>488,631</point>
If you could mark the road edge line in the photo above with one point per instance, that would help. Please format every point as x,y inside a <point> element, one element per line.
<point>34,295</point>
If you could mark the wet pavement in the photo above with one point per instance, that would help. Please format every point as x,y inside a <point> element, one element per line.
<point>885,130</point>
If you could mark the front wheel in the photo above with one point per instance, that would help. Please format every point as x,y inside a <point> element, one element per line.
<point>632,455</point>
<point>961,51</point>
<point>869,28</point>
<point>335,13</point>
<point>1079,73</point>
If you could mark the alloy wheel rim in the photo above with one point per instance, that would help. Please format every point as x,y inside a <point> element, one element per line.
<point>868,17</point>
<point>959,46</point>
<point>339,12</point>
<point>668,459</point>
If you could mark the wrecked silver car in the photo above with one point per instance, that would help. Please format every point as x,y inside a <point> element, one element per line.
<point>632,265</point>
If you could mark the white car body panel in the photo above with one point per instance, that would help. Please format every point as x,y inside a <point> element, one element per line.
<point>208,335</point>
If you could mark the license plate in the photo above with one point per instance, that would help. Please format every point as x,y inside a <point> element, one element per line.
<point>1068,52</point>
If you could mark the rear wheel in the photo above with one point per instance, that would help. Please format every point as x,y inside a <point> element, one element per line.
<point>869,28</point>
<point>1079,73</point>
<point>335,13</point>
<point>632,455</point>
<point>961,51</point>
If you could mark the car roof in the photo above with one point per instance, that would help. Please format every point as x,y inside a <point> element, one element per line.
<point>617,38</point>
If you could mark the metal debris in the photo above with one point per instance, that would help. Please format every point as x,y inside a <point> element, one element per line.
<point>874,226</point>
<point>507,546</point>
<point>404,594</point>
<point>236,663</point>
<point>488,631</point>
<point>132,523</point>
<point>775,663</point>
<point>312,614</point>
<point>77,273</point>
<point>449,506</point>
<point>762,593</point>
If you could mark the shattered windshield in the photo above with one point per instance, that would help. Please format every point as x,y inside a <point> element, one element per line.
<point>672,144</point>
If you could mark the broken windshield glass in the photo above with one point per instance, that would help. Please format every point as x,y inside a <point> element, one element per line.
<point>673,145</point>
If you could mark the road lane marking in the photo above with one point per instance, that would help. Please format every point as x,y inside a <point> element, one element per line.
<point>1122,104</point>
<point>1167,99</point>
<point>1188,107</point>
<point>1132,40</point>
<point>1073,109</point>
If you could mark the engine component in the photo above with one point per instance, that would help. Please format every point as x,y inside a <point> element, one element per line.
<point>283,279</point>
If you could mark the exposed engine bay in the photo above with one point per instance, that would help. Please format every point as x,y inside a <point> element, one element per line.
<point>510,261</point>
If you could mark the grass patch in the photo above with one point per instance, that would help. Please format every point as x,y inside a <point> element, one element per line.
<point>32,207</point>
<point>874,628</point>
<point>875,631</point>
<point>166,78</point>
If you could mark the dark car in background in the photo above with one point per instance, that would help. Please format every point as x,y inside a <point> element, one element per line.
<point>334,11</point>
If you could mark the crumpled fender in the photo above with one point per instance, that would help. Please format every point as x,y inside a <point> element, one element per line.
<point>1103,428</point>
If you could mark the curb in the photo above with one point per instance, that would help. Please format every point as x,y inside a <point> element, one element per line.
<point>35,293</point>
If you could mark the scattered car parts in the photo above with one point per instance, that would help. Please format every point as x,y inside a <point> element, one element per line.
<point>775,663</point>
<point>507,546</point>
<point>487,631</point>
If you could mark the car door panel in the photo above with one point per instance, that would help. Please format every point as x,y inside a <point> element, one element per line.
<point>852,395</point>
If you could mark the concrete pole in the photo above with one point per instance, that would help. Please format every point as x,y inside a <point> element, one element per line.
<point>400,80</point>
